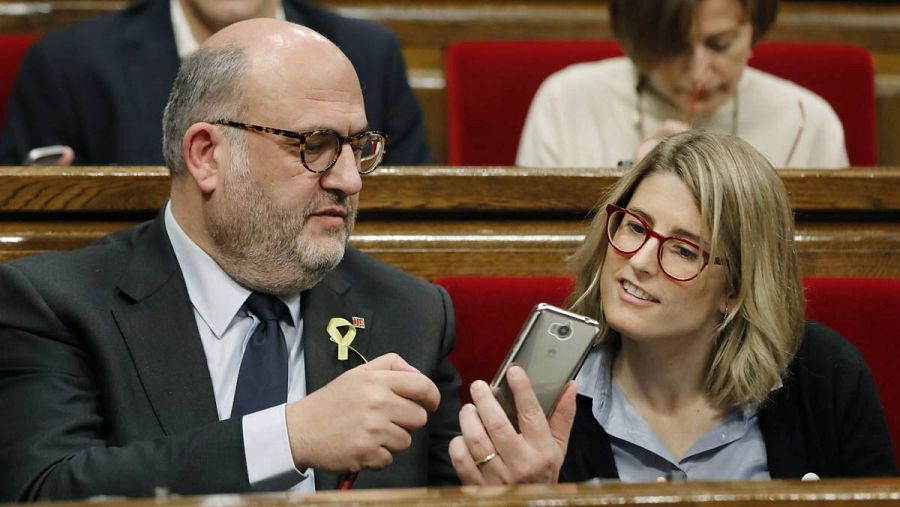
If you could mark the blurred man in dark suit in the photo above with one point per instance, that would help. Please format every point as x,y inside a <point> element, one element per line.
<point>99,87</point>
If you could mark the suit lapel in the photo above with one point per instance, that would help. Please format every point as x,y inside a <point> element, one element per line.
<point>158,325</point>
<point>328,299</point>
<point>332,297</point>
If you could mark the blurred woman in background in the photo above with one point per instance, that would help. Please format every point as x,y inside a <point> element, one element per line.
<point>686,67</point>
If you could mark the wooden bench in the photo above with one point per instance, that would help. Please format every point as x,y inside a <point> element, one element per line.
<point>440,221</point>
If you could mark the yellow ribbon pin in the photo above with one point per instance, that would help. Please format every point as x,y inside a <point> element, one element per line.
<point>343,340</point>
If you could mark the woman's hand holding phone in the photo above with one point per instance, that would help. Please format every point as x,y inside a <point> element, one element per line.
<point>491,451</point>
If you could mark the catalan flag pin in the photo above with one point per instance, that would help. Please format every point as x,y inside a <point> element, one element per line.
<point>359,322</point>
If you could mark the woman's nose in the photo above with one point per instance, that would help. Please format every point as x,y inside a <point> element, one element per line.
<point>700,66</point>
<point>644,259</point>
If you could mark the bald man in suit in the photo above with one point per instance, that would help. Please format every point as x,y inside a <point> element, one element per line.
<point>124,362</point>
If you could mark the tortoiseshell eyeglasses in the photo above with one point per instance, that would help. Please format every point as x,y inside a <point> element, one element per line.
<point>320,148</point>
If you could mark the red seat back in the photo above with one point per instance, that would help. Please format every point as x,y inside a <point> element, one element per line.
<point>490,85</point>
<point>12,49</point>
<point>490,312</point>
<point>865,311</point>
<point>842,75</point>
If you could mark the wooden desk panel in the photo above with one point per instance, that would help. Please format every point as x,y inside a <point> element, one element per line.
<point>416,190</point>
<point>430,249</point>
<point>457,221</point>
<point>826,493</point>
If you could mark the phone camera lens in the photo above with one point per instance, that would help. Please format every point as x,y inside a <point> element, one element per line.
<point>561,330</point>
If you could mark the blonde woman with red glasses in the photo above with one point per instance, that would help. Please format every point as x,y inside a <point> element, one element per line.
<point>705,367</point>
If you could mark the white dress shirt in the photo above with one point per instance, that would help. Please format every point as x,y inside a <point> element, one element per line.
<point>184,37</point>
<point>225,328</point>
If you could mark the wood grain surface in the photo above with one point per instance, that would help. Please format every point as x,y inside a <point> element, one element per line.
<point>825,493</point>
<point>437,221</point>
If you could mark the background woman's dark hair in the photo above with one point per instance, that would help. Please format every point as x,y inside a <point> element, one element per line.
<point>652,30</point>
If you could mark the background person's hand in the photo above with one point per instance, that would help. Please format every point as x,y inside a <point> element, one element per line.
<point>67,157</point>
<point>668,128</point>
<point>358,420</point>
<point>50,156</point>
<point>533,456</point>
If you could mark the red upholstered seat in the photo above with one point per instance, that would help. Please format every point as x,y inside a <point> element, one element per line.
<point>842,75</point>
<point>489,88</point>
<point>12,49</point>
<point>490,85</point>
<point>490,312</point>
<point>866,311</point>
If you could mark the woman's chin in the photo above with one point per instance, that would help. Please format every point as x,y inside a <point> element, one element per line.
<point>632,329</point>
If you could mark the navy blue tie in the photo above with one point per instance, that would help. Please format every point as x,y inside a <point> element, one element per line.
<point>263,377</point>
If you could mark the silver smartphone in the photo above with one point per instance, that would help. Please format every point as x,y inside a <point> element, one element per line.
<point>550,348</point>
<point>45,155</point>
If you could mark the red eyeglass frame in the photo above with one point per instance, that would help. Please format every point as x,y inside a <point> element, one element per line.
<point>650,233</point>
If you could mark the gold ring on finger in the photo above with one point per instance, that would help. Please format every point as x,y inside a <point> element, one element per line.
<point>485,460</point>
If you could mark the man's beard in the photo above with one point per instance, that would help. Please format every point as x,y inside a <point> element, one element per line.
<point>270,249</point>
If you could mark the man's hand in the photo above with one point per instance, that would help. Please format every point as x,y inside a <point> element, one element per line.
<point>67,157</point>
<point>50,156</point>
<point>362,417</point>
<point>535,455</point>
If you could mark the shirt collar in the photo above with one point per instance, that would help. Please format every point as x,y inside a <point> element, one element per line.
<point>595,382</point>
<point>214,294</point>
<point>184,38</point>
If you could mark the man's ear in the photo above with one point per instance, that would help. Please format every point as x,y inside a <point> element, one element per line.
<point>201,144</point>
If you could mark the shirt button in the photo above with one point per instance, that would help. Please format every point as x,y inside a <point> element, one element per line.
<point>724,436</point>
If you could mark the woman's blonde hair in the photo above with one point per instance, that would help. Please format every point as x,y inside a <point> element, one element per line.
<point>744,205</point>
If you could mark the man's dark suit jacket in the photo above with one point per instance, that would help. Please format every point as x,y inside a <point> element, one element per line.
<point>101,86</point>
<point>104,386</point>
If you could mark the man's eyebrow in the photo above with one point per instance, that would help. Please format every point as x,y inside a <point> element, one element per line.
<point>310,128</point>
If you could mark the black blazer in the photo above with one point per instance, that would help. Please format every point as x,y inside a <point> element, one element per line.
<point>104,384</point>
<point>826,419</point>
<point>101,86</point>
